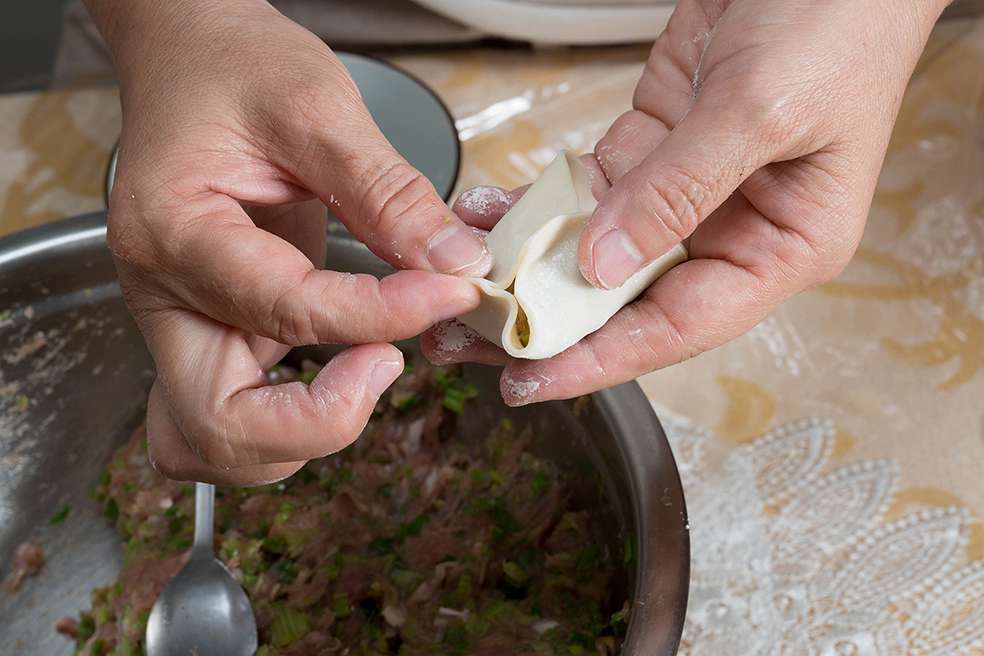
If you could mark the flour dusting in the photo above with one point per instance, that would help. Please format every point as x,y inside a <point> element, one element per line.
<point>520,389</point>
<point>453,336</point>
<point>484,200</point>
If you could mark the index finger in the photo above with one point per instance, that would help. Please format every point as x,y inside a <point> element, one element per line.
<point>231,418</point>
<point>225,267</point>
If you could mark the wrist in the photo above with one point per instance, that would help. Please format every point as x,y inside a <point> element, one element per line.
<point>133,29</point>
<point>916,20</point>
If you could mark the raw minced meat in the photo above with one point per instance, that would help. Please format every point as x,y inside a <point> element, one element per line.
<point>412,541</point>
<point>28,561</point>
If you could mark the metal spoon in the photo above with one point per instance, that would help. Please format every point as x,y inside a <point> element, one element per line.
<point>203,611</point>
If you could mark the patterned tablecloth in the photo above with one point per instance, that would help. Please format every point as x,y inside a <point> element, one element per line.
<point>833,457</point>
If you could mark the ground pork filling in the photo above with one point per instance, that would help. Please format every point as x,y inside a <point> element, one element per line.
<point>412,541</point>
<point>28,561</point>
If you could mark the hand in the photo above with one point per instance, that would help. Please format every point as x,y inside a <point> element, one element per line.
<point>757,133</point>
<point>238,127</point>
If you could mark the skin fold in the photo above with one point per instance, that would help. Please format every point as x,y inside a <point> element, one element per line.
<point>757,133</point>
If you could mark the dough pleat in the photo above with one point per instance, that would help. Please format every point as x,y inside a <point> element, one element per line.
<point>535,272</point>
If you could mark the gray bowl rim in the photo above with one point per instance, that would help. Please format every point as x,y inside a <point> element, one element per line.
<point>649,464</point>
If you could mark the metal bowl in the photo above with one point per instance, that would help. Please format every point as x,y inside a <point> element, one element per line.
<point>74,373</point>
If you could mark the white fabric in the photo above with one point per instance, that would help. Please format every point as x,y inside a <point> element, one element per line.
<point>793,555</point>
<point>535,249</point>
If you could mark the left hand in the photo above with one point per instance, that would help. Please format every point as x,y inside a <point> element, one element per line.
<point>757,135</point>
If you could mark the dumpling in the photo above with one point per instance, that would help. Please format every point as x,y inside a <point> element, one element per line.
<point>535,302</point>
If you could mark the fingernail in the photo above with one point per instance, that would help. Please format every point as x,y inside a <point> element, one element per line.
<point>484,201</point>
<point>383,375</point>
<point>456,249</point>
<point>450,338</point>
<point>616,258</point>
<point>518,392</point>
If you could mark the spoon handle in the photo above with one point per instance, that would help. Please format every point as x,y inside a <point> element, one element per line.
<point>204,507</point>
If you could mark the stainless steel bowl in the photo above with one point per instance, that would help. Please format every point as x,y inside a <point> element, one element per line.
<point>73,378</point>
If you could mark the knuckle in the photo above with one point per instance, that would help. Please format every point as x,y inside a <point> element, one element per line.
<point>760,109</point>
<point>292,325</point>
<point>675,201</point>
<point>766,110</point>
<point>667,337</point>
<point>312,98</point>
<point>370,319</point>
<point>770,116</point>
<point>392,194</point>
<point>303,124</point>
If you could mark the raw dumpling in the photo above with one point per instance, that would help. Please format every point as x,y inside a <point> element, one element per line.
<point>535,302</point>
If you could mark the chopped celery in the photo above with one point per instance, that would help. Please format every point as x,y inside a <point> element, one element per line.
<point>289,626</point>
<point>406,401</point>
<point>331,570</point>
<point>456,638</point>
<point>455,391</point>
<point>276,544</point>
<point>340,605</point>
<point>60,516</point>
<point>415,527</point>
<point>127,647</point>
<point>112,510</point>
<point>286,570</point>
<point>619,617</point>
<point>515,574</point>
<point>629,551</point>
<point>101,615</point>
<point>87,626</point>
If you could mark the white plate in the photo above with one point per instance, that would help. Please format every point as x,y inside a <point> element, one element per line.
<point>556,24</point>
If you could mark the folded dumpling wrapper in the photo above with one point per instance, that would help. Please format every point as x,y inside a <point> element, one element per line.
<point>535,271</point>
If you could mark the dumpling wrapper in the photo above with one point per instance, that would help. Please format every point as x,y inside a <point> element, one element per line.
<point>535,249</point>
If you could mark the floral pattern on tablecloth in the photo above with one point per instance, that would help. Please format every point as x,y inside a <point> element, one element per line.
<point>794,554</point>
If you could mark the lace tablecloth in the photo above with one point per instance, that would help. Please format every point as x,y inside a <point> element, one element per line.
<point>833,457</point>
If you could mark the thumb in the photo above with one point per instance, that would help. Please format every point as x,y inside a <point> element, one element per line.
<point>387,203</point>
<point>659,203</point>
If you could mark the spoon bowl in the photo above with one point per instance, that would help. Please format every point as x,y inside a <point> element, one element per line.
<point>203,610</point>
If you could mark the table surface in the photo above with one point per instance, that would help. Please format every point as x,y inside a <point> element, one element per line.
<point>832,457</point>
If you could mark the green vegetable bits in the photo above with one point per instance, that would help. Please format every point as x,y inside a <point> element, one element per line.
<point>416,540</point>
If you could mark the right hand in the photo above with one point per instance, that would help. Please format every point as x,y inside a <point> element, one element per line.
<point>757,133</point>
<point>238,126</point>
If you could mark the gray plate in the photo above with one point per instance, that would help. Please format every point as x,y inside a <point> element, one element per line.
<point>85,382</point>
<point>411,116</point>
